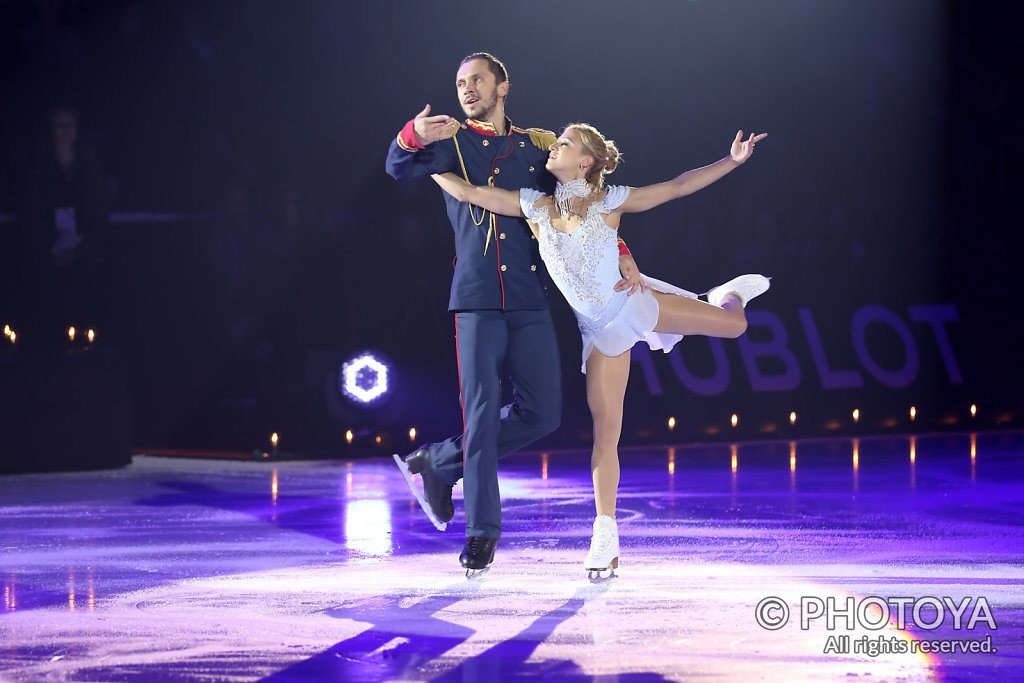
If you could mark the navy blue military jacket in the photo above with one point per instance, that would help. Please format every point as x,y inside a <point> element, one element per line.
<point>495,267</point>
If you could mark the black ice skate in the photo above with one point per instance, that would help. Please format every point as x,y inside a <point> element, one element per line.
<point>436,499</point>
<point>478,553</point>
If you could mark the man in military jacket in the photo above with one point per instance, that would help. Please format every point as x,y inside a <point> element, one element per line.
<point>497,297</point>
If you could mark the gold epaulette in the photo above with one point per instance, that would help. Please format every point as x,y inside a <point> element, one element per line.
<point>541,138</point>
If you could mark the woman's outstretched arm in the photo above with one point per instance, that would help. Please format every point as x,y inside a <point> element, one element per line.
<point>494,199</point>
<point>643,198</point>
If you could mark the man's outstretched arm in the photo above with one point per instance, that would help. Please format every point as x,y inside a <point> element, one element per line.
<point>415,151</point>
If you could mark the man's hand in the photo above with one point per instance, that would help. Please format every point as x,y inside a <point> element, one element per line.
<point>630,276</point>
<point>429,128</point>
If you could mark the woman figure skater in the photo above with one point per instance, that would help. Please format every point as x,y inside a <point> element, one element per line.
<point>577,233</point>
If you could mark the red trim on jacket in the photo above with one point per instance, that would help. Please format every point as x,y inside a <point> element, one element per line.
<point>462,399</point>
<point>407,138</point>
<point>485,127</point>
<point>497,240</point>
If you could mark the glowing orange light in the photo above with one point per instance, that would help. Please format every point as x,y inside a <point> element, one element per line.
<point>91,335</point>
<point>412,433</point>
<point>273,439</point>
<point>856,453</point>
<point>671,423</point>
<point>7,330</point>
<point>377,439</point>
<point>974,410</point>
<point>792,456</point>
<point>734,449</point>
<point>913,413</point>
<point>671,461</point>
<point>792,418</point>
<point>544,466</point>
<point>735,419</point>
<point>273,487</point>
<point>13,336</point>
<point>349,436</point>
<point>856,414</point>
<point>974,453</point>
<point>913,449</point>
<point>71,333</point>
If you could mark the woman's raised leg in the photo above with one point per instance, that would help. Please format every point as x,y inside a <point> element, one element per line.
<point>722,316</point>
<point>683,315</point>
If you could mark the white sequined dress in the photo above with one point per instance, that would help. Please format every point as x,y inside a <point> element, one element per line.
<point>584,264</point>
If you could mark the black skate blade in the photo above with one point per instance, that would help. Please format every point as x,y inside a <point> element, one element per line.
<point>404,469</point>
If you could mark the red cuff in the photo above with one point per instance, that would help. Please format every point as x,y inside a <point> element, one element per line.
<point>623,249</point>
<point>407,138</point>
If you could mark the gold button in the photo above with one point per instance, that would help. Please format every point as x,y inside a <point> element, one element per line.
<point>501,236</point>
<point>533,267</point>
<point>522,144</point>
<point>497,171</point>
<point>486,142</point>
<point>531,169</point>
<point>503,266</point>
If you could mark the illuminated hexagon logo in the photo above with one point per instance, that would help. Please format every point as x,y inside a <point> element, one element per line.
<point>364,378</point>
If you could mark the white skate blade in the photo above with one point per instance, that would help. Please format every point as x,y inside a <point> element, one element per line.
<point>404,469</point>
<point>599,576</point>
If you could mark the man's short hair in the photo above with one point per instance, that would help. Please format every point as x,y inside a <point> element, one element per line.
<point>493,63</point>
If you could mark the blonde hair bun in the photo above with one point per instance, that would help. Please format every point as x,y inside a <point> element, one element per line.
<point>606,154</point>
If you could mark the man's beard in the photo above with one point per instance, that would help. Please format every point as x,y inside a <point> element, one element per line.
<point>487,111</point>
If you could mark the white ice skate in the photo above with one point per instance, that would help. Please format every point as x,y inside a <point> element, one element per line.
<point>745,287</point>
<point>604,548</point>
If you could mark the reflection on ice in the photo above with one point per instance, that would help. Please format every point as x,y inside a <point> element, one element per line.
<point>368,526</point>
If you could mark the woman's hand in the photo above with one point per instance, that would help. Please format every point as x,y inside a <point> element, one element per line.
<point>631,278</point>
<point>741,150</point>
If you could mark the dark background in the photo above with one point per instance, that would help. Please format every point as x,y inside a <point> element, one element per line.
<point>885,180</point>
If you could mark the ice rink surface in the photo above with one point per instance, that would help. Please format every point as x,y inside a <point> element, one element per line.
<point>176,569</point>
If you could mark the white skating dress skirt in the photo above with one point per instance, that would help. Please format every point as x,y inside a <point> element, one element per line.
<point>584,264</point>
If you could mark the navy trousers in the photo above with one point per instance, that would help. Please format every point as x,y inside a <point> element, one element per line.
<point>524,344</point>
